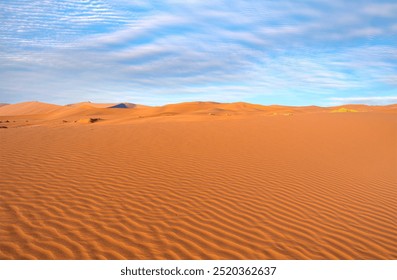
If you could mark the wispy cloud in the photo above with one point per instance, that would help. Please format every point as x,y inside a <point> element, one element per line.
<point>167,51</point>
<point>386,9</point>
<point>371,100</point>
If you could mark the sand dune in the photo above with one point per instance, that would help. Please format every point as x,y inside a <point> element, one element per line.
<point>198,180</point>
<point>27,108</point>
<point>89,104</point>
<point>124,105</point>
<point>46,112</point>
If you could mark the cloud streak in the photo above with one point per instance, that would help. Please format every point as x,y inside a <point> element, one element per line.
<point>372,100</point>
<point>168,51</point>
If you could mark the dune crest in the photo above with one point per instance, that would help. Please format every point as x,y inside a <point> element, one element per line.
<point>27,108</point>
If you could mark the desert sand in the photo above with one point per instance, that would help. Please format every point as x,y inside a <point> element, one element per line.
<point>198,180</point>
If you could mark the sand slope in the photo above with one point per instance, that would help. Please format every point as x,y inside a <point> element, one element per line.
<point>258,183</point>
<point>27,108</point>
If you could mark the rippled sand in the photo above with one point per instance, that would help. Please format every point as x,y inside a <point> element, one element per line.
<point>198,181</point>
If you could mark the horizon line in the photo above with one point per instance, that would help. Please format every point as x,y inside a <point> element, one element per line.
<point>195,101</point>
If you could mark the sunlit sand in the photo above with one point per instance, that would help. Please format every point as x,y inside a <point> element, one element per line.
<point>198,180</point>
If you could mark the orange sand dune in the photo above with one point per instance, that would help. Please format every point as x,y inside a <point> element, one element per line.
<point>198,181</point>
<point>27,108</point>
<point>102,105</point>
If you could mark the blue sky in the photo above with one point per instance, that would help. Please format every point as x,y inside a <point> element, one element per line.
<point>157,52</point>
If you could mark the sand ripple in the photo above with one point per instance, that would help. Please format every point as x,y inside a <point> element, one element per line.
<point>255,188</point>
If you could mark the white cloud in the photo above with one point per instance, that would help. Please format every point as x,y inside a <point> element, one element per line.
<point>380,9</point>
<point>185,48</point>
<point>371,100</point>
<point>53,23</point>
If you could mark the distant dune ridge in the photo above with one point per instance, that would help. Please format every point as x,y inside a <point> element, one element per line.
<point>197,108</point>
<point>197,180</point>
<point>28,108</point>
<point>102,105</point>
<point>124,105</point>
